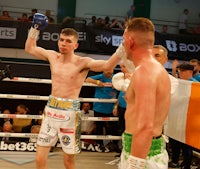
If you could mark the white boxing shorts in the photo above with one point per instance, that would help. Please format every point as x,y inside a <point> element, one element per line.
<point>62,121</point>
<point>157,157</point>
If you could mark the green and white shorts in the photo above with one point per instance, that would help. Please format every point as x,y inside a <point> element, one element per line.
<point>157,157</point>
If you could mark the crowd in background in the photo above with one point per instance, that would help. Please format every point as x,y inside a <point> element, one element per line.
<point>32,126</point>
<point>108,22</point>
<point>25,17</point>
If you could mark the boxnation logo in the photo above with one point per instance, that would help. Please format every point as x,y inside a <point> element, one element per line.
<point>8,33</point>
<point>182,47</point>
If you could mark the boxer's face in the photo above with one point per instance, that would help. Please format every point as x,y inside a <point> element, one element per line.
<point>67,44</point>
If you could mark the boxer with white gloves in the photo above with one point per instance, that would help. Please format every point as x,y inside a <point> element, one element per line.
<point>40,22</point>
<point>121,53</point>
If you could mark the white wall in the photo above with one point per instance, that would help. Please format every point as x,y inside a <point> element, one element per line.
<point>170,10</point>
<point>87,8</point>
<point>160,9</point>
<point>21,6</point>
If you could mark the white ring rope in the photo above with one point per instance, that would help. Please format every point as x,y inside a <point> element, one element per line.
<point>21,116</point>
<point>37,80</point>
<point>37,97</point>
<point>27,116</point>
<point>28,135</point>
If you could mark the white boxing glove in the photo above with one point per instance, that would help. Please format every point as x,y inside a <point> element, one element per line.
<point>119,82</point>
<point>121,53</point>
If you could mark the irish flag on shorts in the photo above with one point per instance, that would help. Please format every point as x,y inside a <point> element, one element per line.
<point>183,122</point>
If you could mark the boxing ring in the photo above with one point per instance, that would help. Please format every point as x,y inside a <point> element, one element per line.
<point>45,98</point>
<point>31,146</point>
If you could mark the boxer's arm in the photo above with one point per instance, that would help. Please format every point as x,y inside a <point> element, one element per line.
<point>94,81</point>
<point>39,22</point>
<point>144,116</point>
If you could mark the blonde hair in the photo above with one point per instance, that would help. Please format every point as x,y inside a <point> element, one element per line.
<point>144,28</point>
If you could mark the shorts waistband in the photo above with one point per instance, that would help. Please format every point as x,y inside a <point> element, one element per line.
<point>157,145</point>
<point>63,103</point>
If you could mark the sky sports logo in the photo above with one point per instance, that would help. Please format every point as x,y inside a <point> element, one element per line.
<point>8,33</point>
<point>114,39</point>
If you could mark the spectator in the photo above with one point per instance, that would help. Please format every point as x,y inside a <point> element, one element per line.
<point>93,21</point>
<point>67,22</point>
<point>50,19</point>
<point>24,18</point>
<point>87,127</point>
<point>183,22</point>
<point>5,16</point>
<point>106,22</point>
<point>20,124</point>
<point>99,22</point>
<point>160,53</point>
<point>3,120</point>
<point>131,11</point>
<point>103,91</point>
<point>193,62</point>
<point>196,64</point>
<point>116,24</point>
<point>7,128</point>
<point>164,29</point>
<point>186,73</point>
<point>33,11</point>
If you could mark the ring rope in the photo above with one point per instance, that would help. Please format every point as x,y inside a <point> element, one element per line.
<point>27,116</point>
<point>37,97</point>
<point>37,80</point>
<point>28,135</point>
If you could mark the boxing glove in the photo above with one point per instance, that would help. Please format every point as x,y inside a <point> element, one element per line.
<point>40,21</point>
<point>121,53</point>
<point>119,82</point>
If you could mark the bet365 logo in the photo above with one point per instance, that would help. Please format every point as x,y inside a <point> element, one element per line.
<point>183,47</point>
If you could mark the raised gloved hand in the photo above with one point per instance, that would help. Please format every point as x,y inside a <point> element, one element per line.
<point>121,53</point>
<point>119,82</point>
<point>40,21</point>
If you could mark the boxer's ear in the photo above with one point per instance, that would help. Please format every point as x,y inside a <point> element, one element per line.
<point>76,46</point>
<point>132,42</point>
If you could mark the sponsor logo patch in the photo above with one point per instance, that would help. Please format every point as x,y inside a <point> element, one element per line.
<point>66,140</point>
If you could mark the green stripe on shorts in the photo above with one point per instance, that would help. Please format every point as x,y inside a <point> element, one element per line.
<point>156,146</point>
